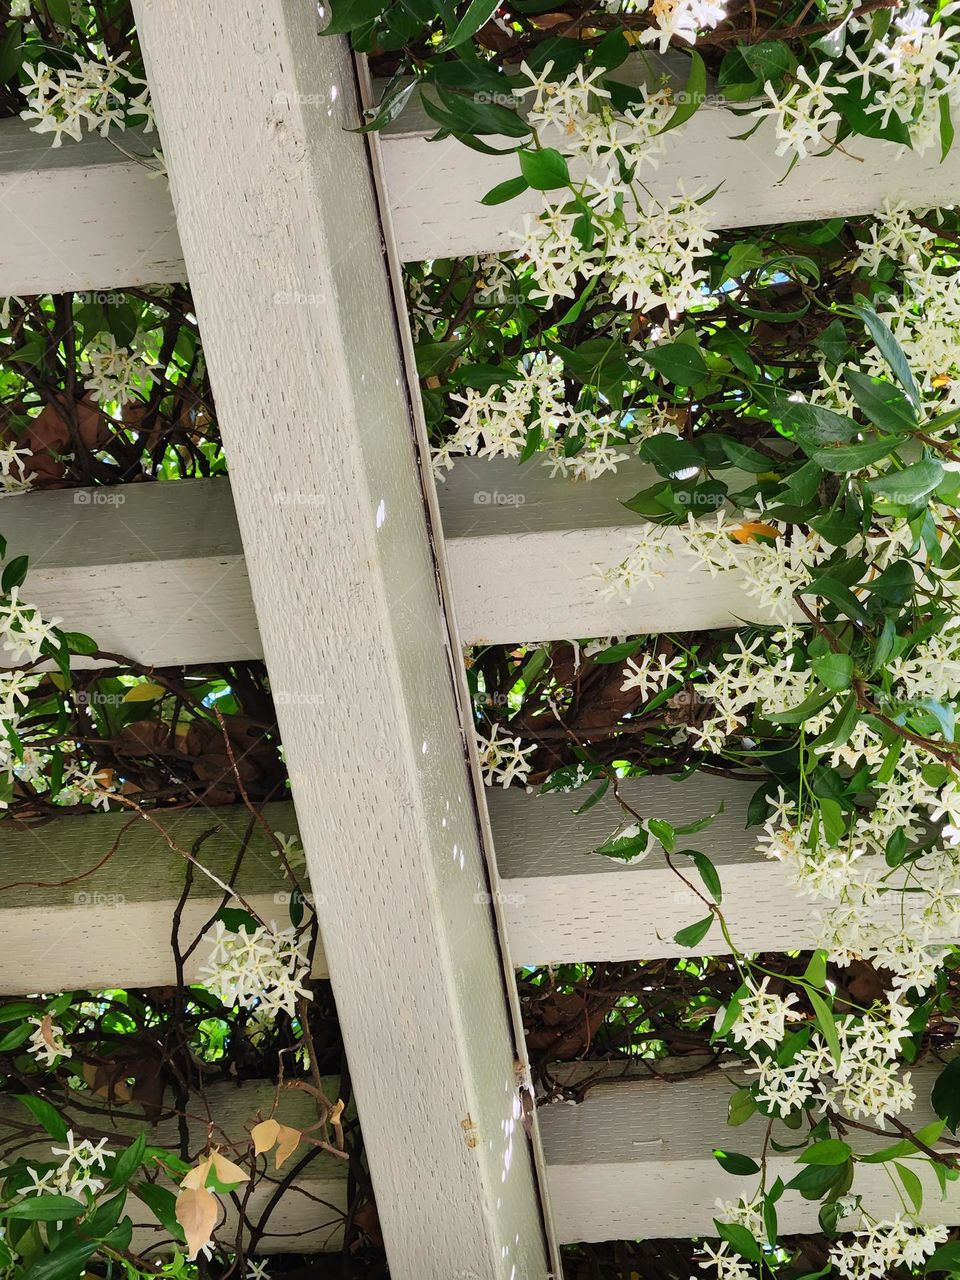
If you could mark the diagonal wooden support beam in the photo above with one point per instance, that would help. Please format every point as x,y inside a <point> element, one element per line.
<point>282,242</point>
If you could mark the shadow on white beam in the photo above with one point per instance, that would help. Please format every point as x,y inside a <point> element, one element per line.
<point>522,549</point>
<point>154,572</point>
<point>82,215</point>
<point>112,928</point>
<point>634,1159</point>
<point>308,1217</point>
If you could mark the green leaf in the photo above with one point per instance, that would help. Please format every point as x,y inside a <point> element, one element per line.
<point>14,574</point>
<point>478,12</point>
<point>812,422</point>
<point>816,970</point>
<point>694,933</point>
<point>544,170</point>
<point>911,485</point>
<point>830,1151</point>
<point>745,458</point>
<point>835,670</point>
<point>826,1023</point>
<point>128,1162</point>
<point>734,1162</point>
<point>854,457</point>
<point>740,1107</point>
<point>67,1261</point>
<point>946,1258</point>
<point>45,1114</point>
<point>885,406</point>
<point>45,1209</point>
<point>945,1098</point>
<point>625,844</point>
<point>595,798</point>
<point>768,60</point>
<point>504,191</point>
<point>912,1186</point>
<point>708,874</point>
<point>347,15</point>
<point>619,652</point>
<point>739,1239</point>
<point>946,126</point>
<point>670,455</point>
<point>891,351</point>
<point>678,362</point>
<point>163,1204</point>
<point>694,93</point>
<point>434,357</point>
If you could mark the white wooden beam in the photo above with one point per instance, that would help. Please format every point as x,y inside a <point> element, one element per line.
<point>154,572</point>
<point>284,257</point>
<point>562,903</point>
<point>436,187</point>
<point>82,215</point>
<point>308,1218</point>
<point>523,550</point>
<point>635,1158</point>
<point>85,216</point>
<point>65,929</point>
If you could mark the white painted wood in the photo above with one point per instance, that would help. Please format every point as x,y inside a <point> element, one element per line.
<point>301,1221</point>
<point>564,904</point>
<point>86,217</point>
<point>523,549</point>
<point>634,1160</point>
<point>113,927</point>
<point>284,256</point>
<point>436,187</point>
<point>154,572</point>
<point>83,215</point>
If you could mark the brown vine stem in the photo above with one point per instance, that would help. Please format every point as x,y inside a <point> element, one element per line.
<point>61,884</point>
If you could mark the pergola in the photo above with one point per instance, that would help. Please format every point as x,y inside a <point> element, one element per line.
<point>329,554</point>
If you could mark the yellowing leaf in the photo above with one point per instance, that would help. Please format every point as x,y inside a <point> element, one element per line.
<point>287,1143</point>
<point>196,1179</point>
<point>264,1136</point>
<point>197,1213</point>
<point>751,529</point>
<point>144,693</point>
<point>227,1171</point>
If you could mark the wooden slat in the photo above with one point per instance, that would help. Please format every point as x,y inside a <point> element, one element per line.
<point>308,1218</point>
<point>154,572</point>
<point>85,217</point>
<point>113,927</point>
<point>160,576</point>
<point>522,550</point>
<point>563,903</point>
<point>255,110</point>
<point>436,187</point>
<point>82,215</point>
<point>635,1159</point>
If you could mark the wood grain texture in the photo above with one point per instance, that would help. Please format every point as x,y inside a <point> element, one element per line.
<point>112,927</point>
<point>82,216</point>
<point>523,549</point>
<point>308,1218</point>
<point>85,217</point>
<point>284,257</point>
<point>634,1159</point>
<point>564,904</point>
<point>436,187</point>
<point>154,572</point>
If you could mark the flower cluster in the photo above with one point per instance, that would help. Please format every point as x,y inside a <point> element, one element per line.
<point>114,373</point>
<point>263,969</point>
<point>503,759</point>
<point>76,1174</point>
<point>97,93</point>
